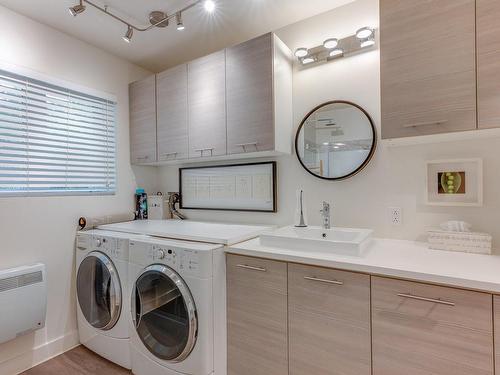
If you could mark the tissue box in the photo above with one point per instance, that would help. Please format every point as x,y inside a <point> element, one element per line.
<point>468,242</point>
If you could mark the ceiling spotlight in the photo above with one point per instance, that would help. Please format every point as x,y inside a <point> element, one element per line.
<point>336,52</point>
<point>77,9</point>
<point>364,33</point>
<point>308,60</point>
<point>180,25</point>
<point>330,43</point>
<point>368,42</point>
<point>128,35</point>
<point>209,6</point>
<point>301,52</point>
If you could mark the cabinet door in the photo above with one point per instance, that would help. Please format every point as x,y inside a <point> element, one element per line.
<point>142,98</point>
<point>250,115</point>
<point>207,105</point>
<point>256,316</point>
<point>426,329</point>
<point>329,321</point>
<point>496,329</point>
<point>488,63</point>
<point>171,89</point>
<point>428,78</point>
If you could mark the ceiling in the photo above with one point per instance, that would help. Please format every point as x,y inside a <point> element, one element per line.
<point>234,21</point>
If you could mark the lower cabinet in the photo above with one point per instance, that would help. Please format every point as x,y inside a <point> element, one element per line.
<point>496,329</point>
<point>256,316</point>
<point>329,321</point>
<point>426,329</point>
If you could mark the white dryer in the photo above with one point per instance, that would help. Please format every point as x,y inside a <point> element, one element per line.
<point>102,293</point>
<point>172,307</point>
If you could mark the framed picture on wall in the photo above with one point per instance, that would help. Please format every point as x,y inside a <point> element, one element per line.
<point>455,182</point>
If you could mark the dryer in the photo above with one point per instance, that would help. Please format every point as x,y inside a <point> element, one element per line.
<point>172,307</point>
<point>102,293</point>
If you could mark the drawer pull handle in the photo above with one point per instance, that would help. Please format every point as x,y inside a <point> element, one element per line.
<point>425,299</point>
<point>202,150</point>
<point>417,124</point>
<point>143,158</point>
<point>245,145</point>
<point>169,154</point>
<point>335,282</point>
<point>261,269</point>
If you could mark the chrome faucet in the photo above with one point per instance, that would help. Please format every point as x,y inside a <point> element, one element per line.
<point>174,198</point>
<point>325,213</point>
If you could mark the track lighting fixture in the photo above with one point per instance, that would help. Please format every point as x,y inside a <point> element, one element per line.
<point>77,9</point>
<point>180,25</point>
<point>128,35</point>
<point>301,52</point>
<point>364,33</point>
<point>156,18</point>
<point>330,43</point>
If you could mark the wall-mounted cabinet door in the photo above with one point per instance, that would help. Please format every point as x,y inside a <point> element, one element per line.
<point>142,102</point>
<point>488,63</point>
<point>256,316</point>
<point>250,114</point>
<point>172,109</point>
<point>428,77</point>
<point>329,321</point>
<point>426,329</point>
<point>207,105</point>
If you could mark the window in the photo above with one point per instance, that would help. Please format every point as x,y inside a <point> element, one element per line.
<point>54,140</point>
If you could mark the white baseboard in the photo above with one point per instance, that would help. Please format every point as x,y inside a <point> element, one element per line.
<point>39,354</point>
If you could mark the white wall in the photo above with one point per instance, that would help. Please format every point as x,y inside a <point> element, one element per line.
<point>395,177</point>
<point>43,229</point>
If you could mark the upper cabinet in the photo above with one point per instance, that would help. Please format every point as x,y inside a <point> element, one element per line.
<point>488,63</point>
<point>232,103</point>
<point>207,105</point>
<point>428,77</point>
<point>172,102</point>
<point>255,71</point>
<point>142,108</point>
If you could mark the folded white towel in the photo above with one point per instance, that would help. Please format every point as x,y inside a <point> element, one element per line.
<point>456,226</point>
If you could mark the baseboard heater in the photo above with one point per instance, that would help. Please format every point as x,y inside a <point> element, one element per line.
<point>23,300</point>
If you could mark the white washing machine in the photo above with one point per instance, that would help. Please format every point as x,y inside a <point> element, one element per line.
<point>102,293</point>
<point>172,307</point>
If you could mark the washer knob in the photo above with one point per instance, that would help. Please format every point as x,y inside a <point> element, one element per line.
<point>98,243</point>
<point>160,254</point>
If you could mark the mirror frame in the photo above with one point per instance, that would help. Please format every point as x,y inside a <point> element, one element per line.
<point>367,160</point>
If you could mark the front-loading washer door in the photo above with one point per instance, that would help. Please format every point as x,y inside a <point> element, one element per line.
<point>164,313</point>
<point>99,291</point>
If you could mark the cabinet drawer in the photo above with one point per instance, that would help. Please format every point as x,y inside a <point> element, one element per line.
<point>256,316</point>
<point>427,329</point>
<point>329,321</point>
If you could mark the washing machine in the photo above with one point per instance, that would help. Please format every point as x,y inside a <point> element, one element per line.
<point>102,294</point>
<point>172,307</point>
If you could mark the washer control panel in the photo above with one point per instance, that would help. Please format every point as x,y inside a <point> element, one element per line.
<point>196,261</point>
<point>113,247</point>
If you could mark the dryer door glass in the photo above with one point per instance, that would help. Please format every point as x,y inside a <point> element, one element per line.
<point>98,291</point>
<point>164,313</point>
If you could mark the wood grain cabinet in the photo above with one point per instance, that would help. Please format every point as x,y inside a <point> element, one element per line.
<point>496,329</point>
<point>329,321</point>
<point>256,316</point>
<point>172,106</point>
<point>258,91</point>
<point>207,105</point>
<point>488,63</point>
<point>428,75</point>
<point>142,106</point>
<point>426,329</point>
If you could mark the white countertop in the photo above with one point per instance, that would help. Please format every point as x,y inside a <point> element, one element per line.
<point>396,258</point>
<point>224,234</point>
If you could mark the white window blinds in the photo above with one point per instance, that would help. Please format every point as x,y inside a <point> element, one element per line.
<point>54,140</point>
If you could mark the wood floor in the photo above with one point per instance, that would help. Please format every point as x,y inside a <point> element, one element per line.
<point>78,361</point>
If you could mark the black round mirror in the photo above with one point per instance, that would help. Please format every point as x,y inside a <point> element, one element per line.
<point>335,140</point>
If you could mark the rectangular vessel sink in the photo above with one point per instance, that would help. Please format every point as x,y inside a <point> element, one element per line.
<point>350,241</point>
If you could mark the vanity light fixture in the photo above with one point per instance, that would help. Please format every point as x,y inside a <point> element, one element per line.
<point>77,9</point>
<point>334,49</point>
<point>180,24</point>
<point>331,43</point>
<point>128,35</point>
<point>156,18</point>
<point>301,52</point>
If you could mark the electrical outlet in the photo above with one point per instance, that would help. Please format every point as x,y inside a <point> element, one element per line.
<point>396,215</point>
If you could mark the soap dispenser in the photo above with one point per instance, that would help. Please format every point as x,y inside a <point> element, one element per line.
<point>300,220</point>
